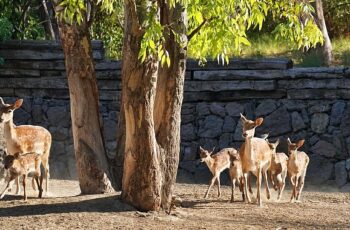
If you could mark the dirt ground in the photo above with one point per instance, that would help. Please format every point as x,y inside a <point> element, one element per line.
<point>66,209</point>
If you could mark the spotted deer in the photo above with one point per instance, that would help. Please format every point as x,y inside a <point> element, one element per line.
<point>220,161</point>
<point>255,155</point>
<point>278,169</point>
<point>18,165</point>
<point>25,138</point>
<point>297,166</point>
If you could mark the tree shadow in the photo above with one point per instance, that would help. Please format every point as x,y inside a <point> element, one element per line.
<point>100,204</point>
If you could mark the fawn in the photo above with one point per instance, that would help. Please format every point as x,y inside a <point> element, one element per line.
<point>217,163</point>
<point>25,138</point>
<point>278,169</point>
<point>20,165</point>
<point>297,166</point>
<point>255,155</point>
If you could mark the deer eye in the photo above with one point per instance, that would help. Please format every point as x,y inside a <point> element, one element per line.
<point>9,111</point>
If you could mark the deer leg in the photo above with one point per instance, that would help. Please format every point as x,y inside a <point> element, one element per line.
<point>301,185</point>
<point>218,183</point>
<point>18,187</point>
<point>279,185</point>
<point>258,186</point>
<point>24,187</point>
<point>210,185</point>
<point>294,183</point>
<point>233,185</point>
<point>283,184</point>
<point>45,164</point>
<point>8,187</point>
<point>270,174</point>
<point>250,184</point>
<point>245,175</point>
<point>268,195</point>
<point>241,187</point>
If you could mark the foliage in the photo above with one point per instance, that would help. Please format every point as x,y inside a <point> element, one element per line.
<point>5,29</point>
<point>265,45</point>
<point>337,15</point>
<point>24,17</point>
<point>218,28</point>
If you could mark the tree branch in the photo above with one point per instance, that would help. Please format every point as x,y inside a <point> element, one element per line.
<point>136,27</point>
<point>196,30</point>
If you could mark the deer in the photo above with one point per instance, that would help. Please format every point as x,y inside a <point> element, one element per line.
<point>255,155</point>
<point>25,139</point>
<point>236,174</point>
<point>278,169</point>
<point>217,163</point>
<point>20,165</point>
<point>297,166</point>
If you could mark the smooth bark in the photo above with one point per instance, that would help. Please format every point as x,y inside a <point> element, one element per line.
<point>90,153</point>
<point>327,46</point>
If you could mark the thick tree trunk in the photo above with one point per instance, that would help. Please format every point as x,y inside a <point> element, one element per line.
<point>152,130</point>
<point>167,110</point>
<point>88,140</point>
<point>327,46</point>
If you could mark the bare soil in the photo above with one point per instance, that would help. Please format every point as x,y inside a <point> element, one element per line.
<point>66,209</point>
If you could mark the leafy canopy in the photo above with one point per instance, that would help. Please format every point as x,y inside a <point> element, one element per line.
<point>216,28</point>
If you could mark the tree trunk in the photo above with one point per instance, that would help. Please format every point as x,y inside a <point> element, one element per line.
<point>46,20</point>
<point>327,46</point>
<point>152,130</point>
<point>89,146</point>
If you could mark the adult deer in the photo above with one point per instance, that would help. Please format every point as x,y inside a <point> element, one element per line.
<point>255,154</point>
<point>297,166</point>
<point>278,169</point>
<point>25,138</point>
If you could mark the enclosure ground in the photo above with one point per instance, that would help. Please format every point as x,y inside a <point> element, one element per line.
<point>66,209</point>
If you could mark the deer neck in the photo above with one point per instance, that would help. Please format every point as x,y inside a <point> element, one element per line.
<point>210,163</point>
<point>248,151</point>
<point>9,131</point>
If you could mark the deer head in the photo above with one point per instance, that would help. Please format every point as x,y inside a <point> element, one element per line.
<point>6,110</point>
<point>273,146</point>
<point>293,147</point>
<point>249,126</point>
<point>204,154</point>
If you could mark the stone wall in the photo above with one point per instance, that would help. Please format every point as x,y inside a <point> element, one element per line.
<point>310,103</point>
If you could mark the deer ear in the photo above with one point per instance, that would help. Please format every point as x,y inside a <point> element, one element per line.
<point>201,149</point>
<point>259,121</point>
<point>243,118</point>
<point>300,143</point>
<point>18,103</point>
<point>2,101</point>
<point>277,142</point>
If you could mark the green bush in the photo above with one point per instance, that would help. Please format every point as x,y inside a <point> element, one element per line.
<point>5,29</point>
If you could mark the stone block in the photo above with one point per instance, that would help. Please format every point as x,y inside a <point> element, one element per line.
<point>324,148</point>
<point>341,174</point>
<point>211,127</point>
<point>319,122</point>
<point>320,170</point>
<point>297,122</point>
<point>337,113</point>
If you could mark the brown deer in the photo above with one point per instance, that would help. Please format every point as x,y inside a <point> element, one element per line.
<point>20,165</point>
<point>25,138</point>
<point>297,166</point>
<point>236,174</point>
<point>217,163</point>
<point>255,155</point>
<point>278,169</point>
